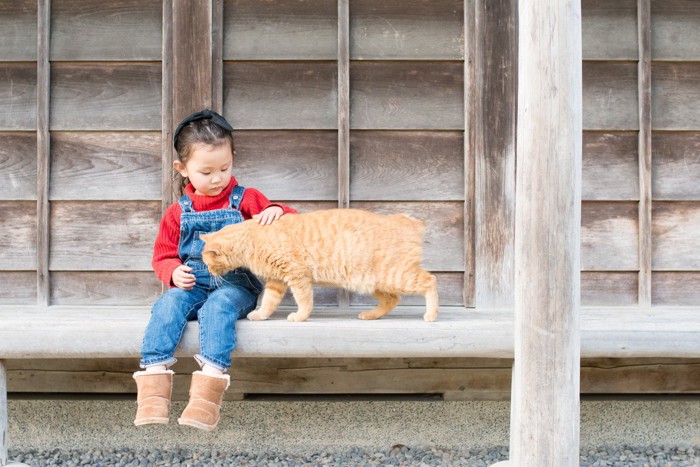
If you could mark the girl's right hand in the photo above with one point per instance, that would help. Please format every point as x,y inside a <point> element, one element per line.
<point>182,277</point>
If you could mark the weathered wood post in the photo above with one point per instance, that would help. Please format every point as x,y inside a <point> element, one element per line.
<point>3,414</point>
<point>545,392</point>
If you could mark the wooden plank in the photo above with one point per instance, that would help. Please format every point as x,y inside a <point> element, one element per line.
<point>609,288</point>
<point>18,165</point>
<point>609,236</point>
<point>645,169</point>
<point>407,95</point>
<point>18,251</point>
<point>98,96</point>
<point>343,109</point>
<point>280,30</point>
<point>80,232</point>
<point>675,288</point>
<point>101,165</point>
<point>676,166</point>
<point>610,96</point>
<point>610,166</point>
<point>43,150</point>
<point>217,56</point>
<point>4,424</point>
<point>122,30</point>
<point>676,90</point>
<point>449,286</point>
<point>18,30</point>
<point>496,109</point>
<point>104,288</point>
<point>19,288</point>
<point>284,95</point>
<point>168,155</point>
<point>297,165</point>
<point>443,246</point>
<point>407,30</point>
<point>407,165</point>
<point>676,236</point>
<point>675,30</point>
<point>18,95</point>
<point>609,29</point>
<point>471,51</point>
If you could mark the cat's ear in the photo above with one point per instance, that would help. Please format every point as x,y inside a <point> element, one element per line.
<point>205,237</point>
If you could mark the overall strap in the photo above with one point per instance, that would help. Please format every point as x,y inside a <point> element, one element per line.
<point>236,197</point>
<point>186,204</point>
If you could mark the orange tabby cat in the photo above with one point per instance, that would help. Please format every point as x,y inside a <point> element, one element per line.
<point>349,248</point>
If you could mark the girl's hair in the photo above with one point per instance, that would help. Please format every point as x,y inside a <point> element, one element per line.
<point>203,131</point>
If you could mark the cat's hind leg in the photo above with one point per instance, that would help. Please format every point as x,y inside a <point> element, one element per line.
<point>387,302</point>
<point>304,296</point>
<point>420,282</point>
<point>272,296</point>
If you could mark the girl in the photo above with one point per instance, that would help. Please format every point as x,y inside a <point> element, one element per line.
<point>211,199</point>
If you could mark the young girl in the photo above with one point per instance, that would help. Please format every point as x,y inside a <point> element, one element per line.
<point>211,200</point>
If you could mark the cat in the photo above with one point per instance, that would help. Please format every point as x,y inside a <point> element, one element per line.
<point>349,248</point>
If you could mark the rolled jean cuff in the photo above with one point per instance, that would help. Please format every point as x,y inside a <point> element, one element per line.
<point>168,362</point>
<point>205,361</point>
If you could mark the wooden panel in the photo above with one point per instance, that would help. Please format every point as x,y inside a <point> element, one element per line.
<point>99,236</point>
<point>280,30</point>
<point>676,159</point>
<point>105,96</point>
<point>609,29</point>
<point>675,30</point>
<point>18,165</point>
<point>609,288</point>
<point>450,285</point>
<point>676,288</point>
<point>285,95</point>
<point>323,296</point>
<point>609,236</point>
<point>18,30</point>
<point>18,96</point>
<point>18,245</point>
<point>610,166</point>
<point>104,288</point>
<point>43,105</point>
<point>443,246</point>
<point>675,96</point>
<point>610,96</point>
<point>114,30</point>
<point>407,95</point>
<point>19,288</point>
<point>645,162</point>
<point>407,30</point>
<point>118,166</point>
<point>676,235</point>
<point>400,165</point>
<point>298,165</point>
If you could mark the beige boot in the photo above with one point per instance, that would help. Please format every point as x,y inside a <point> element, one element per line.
<point>206,394</point>
<point>154,391</point>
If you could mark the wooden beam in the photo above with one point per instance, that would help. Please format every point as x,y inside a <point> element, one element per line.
<point>168,151</point>
<point>546,380</point>
<point>471,48</point>
<point>3,413</point>
<point>217,56</point>
<point>343,117</point>
<point>43,164</point>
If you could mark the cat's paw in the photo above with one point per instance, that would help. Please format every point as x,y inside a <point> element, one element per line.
<point>430,317</point>
<point>296,317</point>
<point>257,315</point>
<point>367,315</point>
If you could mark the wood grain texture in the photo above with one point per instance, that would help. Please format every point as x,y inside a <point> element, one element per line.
<point>343,113</point>
<point>609,236</point>
<point>280,30</point>
<point>105,166</point>
<point>610,166</point>
<point>407,30</point>
<point>285,95</point>
<point>104,288</point>
<point>17,96</point>
<point>79,231</point>
<point>406,165</point>
<point>449,286</point>
<point>676,166</point>
<point>471,51</point>
<point>114,30</point>
<point>645,148</point>
<point>100,96</point>
<point>675,288</point>
<point>676,90</point>
<point>609,29</point>
<point>609,288</point>
<point>675,30</point>
<point>18,249</point>
<point>20,288</point>
<point>675,236</point>
<point>4,424</point>
<point>18,165</point>
<point>407,95</point>
<point>297,165</point>
<point>18,22</point>
<point>610,96</point>
<point>43,149</point>
<point>168,195</point>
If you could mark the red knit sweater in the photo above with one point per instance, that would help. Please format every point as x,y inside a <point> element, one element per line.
<point>165,254</point>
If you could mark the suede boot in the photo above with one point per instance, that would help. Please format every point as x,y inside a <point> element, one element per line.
<point>154,391</point>
<point>206,395</point>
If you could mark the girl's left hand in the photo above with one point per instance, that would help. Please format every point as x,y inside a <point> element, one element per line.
<point>269,215</point>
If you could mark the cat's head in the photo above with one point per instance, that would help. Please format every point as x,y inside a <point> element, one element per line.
<point>219,254</point>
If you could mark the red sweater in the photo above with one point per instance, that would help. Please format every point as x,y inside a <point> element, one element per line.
<point>165,254</point>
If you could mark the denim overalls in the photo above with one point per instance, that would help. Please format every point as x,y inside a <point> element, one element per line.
<point>216,302</point>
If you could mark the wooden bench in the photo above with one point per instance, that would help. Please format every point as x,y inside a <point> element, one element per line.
<point>116,332</point>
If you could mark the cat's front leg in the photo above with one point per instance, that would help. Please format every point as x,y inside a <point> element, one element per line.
<point>304,296</point>
<point>272,296</point>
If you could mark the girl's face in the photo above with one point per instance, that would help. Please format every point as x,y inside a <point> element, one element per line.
<point>208,168</point>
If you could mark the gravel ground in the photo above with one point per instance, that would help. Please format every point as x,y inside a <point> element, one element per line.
<point>652,456</point>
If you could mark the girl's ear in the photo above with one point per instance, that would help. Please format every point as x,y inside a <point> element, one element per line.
<point>180,167</point>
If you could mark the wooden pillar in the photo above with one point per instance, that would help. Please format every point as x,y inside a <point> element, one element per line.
<point>43,164</point>
<point>3,414</point>
<point>545,392</point>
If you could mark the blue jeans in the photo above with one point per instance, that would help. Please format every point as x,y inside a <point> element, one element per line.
<point>216,303</point>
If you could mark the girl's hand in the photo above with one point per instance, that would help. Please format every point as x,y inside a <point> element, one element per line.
<point>269,215</point>
<point>182,277</point>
